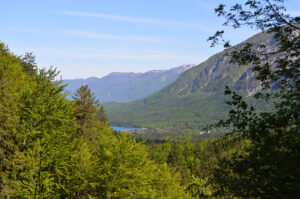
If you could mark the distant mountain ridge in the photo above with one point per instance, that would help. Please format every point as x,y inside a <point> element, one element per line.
<point>196,98</point>
<point>128,86</point>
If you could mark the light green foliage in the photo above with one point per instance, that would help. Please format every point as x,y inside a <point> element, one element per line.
<point>166,183</point>
<point>128,172</point>
<point>43,107</point>
<point>198,188</point>
<point>51,147</point>
<point>36,179</point>
<point>13,83</point>
<point>80,175</point>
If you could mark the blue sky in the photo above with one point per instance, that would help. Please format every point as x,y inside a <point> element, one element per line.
<point>95,37</point>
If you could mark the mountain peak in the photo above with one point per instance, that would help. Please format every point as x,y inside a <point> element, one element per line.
<point>127,86</point>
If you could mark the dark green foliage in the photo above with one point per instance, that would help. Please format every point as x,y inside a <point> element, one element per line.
<point>10,139</point>
<point>196,161</point>
<point>100,114</point>
<point>173,157</point>
<point>270,168</point>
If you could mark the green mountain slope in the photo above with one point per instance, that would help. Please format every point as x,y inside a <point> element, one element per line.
<point>195,99</point>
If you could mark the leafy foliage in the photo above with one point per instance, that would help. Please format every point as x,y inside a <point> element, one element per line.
<point>270,169</point>
<point>196,161</point>
<point>51,147</point>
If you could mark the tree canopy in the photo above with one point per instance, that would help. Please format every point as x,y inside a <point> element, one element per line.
<point>51,147</point>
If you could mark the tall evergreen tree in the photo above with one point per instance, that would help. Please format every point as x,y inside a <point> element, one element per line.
<point>29,64</point>
<point>100,114</point>
<point>85,106</point>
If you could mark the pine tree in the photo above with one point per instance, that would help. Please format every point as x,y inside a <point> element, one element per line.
<point>29,64</point>
<point>85,106</point>
<point>100,114</point>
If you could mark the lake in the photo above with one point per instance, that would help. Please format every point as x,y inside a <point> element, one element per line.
<point>119,128</point>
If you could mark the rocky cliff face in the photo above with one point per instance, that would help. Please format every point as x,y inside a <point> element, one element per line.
<point>217,71</point>
<point>196,97</point>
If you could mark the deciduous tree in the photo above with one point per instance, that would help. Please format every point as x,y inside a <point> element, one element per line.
<point>270,168</point>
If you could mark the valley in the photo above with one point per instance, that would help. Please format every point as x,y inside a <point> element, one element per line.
<point>228,127</point>
<point>196,99</point>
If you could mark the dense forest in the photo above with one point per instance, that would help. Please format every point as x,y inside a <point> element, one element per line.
<point>55,148</point>
<point>52,147</point>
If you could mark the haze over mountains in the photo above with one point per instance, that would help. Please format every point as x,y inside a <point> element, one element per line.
<point>195,99</point>
<point>124,87</point>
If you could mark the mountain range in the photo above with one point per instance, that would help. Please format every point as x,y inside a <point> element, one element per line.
<point>124,87</point>
<point>196,98</point>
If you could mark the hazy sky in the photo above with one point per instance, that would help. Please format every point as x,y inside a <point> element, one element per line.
<point>84,38</point>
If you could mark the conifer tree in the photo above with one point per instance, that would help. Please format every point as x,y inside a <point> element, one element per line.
<point>85,109</point>
<point>29,64</point>
<point>100,114</point>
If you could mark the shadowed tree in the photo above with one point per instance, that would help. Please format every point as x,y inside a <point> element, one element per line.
<point>270,168</point>
<point>100,114</point>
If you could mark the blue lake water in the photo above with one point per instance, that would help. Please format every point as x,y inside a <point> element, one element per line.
<point>119,128</point>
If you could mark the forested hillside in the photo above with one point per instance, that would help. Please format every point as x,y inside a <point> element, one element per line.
<point>124,87</point>
<point>196,99</point>
<point>51,147</point>
<point>55,147</point>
